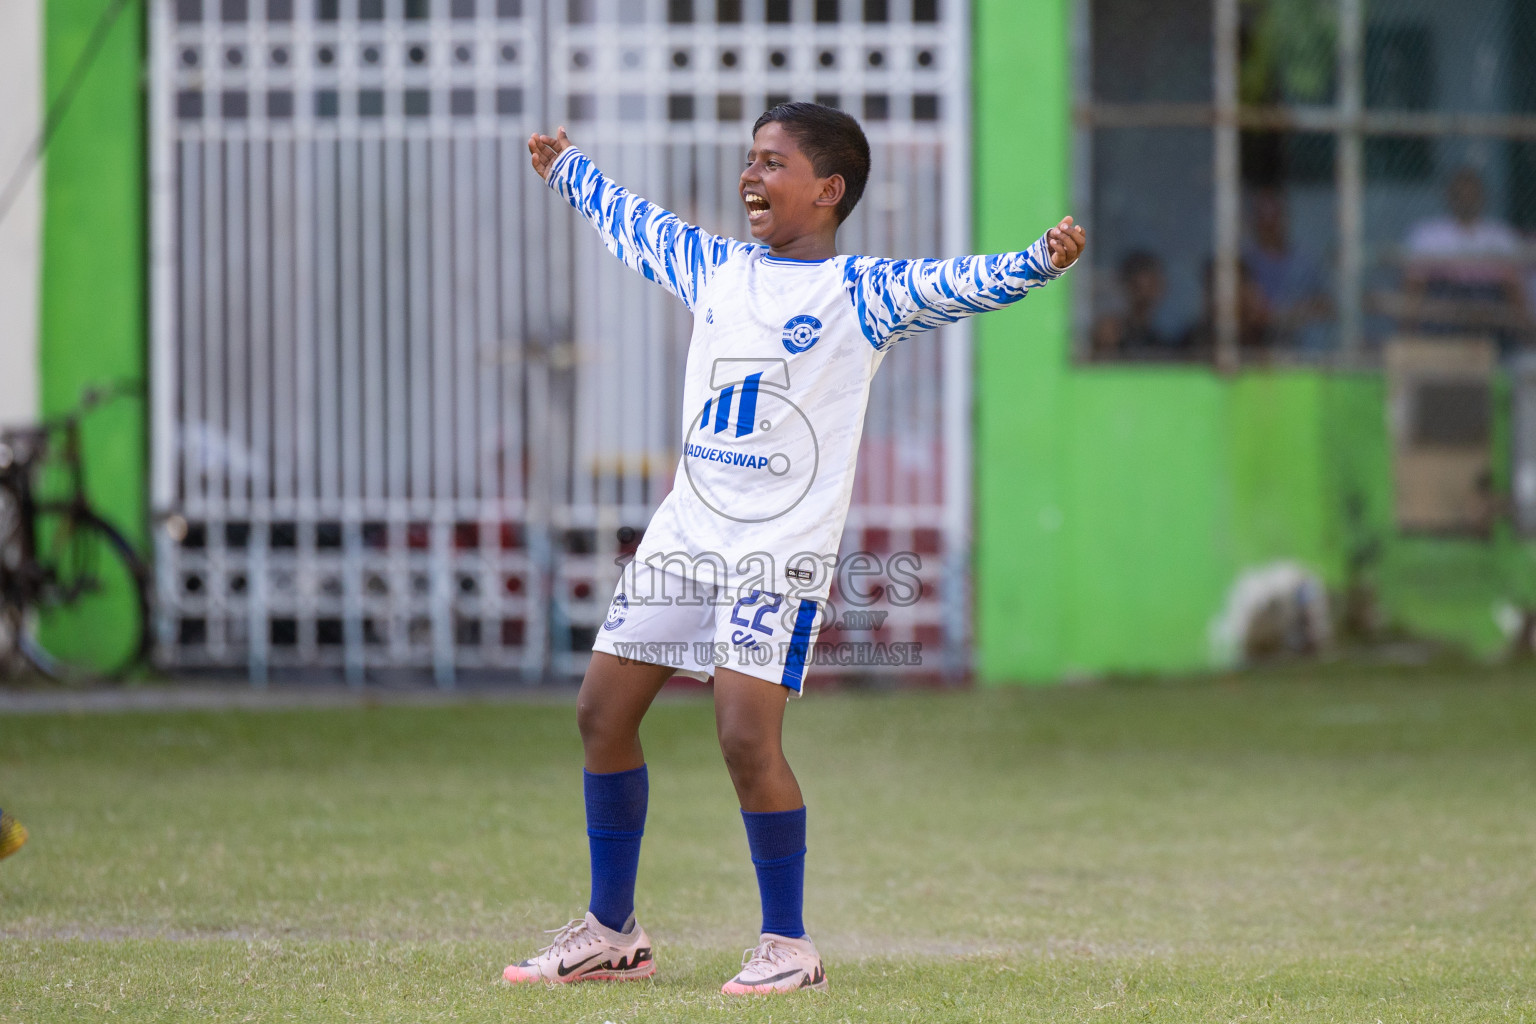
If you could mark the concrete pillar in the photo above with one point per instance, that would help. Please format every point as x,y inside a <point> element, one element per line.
<point>21,52</point>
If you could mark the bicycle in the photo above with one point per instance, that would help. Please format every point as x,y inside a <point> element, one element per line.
<point>74,594</point>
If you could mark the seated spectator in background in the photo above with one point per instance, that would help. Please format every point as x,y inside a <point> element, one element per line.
<point>1463,271</point>
<point>1132,333</point>
<point>1294,286</point>
<point>1255,335</point>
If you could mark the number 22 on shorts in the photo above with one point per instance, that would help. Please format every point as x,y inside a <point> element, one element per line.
<point>740,636</point>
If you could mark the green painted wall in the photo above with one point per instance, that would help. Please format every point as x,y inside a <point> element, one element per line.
<point>1116,506</point>
<point>1020,181</point>
<point>92,318</point>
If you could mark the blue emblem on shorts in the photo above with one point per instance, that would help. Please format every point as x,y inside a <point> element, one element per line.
<point>801,332</point>
<point>616,612</point>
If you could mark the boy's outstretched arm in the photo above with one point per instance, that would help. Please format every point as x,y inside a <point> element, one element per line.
<point>898,298</point>
<point>679,257</point>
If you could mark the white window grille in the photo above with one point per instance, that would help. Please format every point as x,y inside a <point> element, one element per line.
<point>390,431</point>
<point>1348,121</point>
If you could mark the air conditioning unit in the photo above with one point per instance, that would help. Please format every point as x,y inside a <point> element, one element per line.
<point>1523,446</point>
<point>1440,413</point>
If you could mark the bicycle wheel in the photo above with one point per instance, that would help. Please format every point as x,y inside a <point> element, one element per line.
<point>92,617</point>
<point>13,561</point>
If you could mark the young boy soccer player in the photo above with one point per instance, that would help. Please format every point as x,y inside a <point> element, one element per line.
<point>787,335</point>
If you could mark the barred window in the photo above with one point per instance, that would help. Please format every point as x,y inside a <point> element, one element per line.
<point>1273,181</point>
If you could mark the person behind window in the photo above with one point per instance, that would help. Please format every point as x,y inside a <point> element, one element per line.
<point>1294,285</point>
<point>1255,334</point>
<point>1132,333</point>
<point>1462,273</point>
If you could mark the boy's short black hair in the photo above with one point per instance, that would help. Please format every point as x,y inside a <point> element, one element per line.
<point>834,142</point>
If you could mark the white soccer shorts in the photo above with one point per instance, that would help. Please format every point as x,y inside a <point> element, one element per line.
<point>664,619</point>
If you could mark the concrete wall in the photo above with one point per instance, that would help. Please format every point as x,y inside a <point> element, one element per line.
<point>21,51</point>
<point>95,263</point>
<point>1117,506</point>
<point>94,256</point>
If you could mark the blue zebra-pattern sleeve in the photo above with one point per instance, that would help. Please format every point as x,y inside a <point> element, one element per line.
<point>895,299</point>
<point>678,256</point>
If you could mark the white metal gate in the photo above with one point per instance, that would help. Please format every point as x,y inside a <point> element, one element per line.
<point>386,435</point>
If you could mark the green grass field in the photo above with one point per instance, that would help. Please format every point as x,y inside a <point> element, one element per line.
<point>1335,846</point>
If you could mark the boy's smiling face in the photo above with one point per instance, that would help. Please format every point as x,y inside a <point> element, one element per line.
<point>789,208</point>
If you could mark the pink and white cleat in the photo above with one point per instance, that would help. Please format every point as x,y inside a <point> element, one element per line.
<point>588,950</point>
<point>778,965</point>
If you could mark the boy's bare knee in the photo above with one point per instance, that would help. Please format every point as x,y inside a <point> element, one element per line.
<point>589,720</point>
<point>600,725</point>
<point>747,754</point>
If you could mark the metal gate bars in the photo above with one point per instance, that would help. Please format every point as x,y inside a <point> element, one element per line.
<point>407,414</point>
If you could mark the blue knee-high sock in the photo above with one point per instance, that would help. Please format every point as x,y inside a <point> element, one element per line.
<point>777,842</point>
<point>616,804</point>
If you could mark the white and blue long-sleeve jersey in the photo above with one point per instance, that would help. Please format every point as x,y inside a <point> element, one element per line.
<point>777,379</point>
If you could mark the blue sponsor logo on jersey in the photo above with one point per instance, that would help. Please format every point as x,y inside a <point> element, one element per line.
<point>720,411</point>
<point>801,332</point>
<point>751,454</point>
<point>616,612</point>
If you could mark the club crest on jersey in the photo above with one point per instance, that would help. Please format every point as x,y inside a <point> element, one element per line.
<point>801,332</point>
<point>616,612</point>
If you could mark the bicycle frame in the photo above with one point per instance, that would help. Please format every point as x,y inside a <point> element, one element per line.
<point>53,553</point>
<point>19,582</point>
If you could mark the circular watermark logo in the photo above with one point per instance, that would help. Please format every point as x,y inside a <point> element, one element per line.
<point>756,474</point>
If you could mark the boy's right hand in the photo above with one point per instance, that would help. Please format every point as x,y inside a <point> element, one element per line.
<point>545,149</point>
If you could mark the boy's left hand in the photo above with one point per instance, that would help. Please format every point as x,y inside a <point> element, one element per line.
<point>544,149</point>
<point>1066,241</point>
